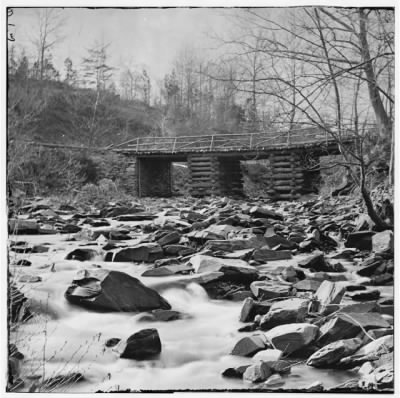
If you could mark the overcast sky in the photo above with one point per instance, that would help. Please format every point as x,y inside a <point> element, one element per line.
<point>152,37</point>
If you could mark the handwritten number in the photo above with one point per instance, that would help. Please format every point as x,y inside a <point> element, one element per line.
<point>10,35</point>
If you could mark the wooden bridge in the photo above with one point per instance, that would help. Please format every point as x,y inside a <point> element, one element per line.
<point>214,161</point>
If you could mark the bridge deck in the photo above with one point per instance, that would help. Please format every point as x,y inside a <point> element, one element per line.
<point>230,142</point>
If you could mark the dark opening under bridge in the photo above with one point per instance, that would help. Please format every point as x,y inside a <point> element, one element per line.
<point>214,161</point>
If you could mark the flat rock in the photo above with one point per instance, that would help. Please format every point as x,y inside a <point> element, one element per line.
<point>231,245</point>
<point>367,306</point>
<point>169,238</point>
<point>234,270</point>
<point>135,217</point>
<point>317,262</point>
<point>270,289</point>
<point>292,337</point>
<point>307,285</point>
<point>167,270</point>
<point>285,311</point>
<point>268,355</point>
<point>264,212</point>
<point>180,250</point>
<point>274,381</point>
<point>244,254</point>
<point>273,241</point>
<point>332,353</point>
<point>248,346</point>
<point>266,254</point>
<point>364,295</point>
<point>146,252</point>
<point>105,290</point>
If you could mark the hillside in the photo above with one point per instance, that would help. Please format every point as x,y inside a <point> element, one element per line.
<point>55,112</point>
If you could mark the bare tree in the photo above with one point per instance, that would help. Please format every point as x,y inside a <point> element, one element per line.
<point>49,22</point>
<point>330,78</point>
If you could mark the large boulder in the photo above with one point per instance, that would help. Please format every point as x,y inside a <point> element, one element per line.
<point>82,254</point>
<point>360,240</point>
<point>251,308</point>
<point>22,227</point>
<point>369,352</point>
<point>257,373</point>
<point>144,344</point>
<point>105,290</point>
<point>292,337</point>
<point>329,295</point>
<point>285,311</point>
<point>348,325</point>
<point>380,378</point>
<point>332,353</point>
<point>146,252</point>
<point>383,242</point>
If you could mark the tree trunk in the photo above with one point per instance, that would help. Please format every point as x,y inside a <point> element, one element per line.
<point>382,118</point>
<point>379,223</point>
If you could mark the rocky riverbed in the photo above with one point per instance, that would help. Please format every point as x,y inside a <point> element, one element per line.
<point>200,294</point>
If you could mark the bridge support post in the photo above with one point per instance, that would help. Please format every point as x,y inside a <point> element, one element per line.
<point>154,177</point>
<point>286,175</point>
<point>230,176</point>
<point>204,174</point>
<point>131,176</point>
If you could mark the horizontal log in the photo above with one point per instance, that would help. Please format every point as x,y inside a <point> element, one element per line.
<point>203,164</point>
<point>286,181</point>
<point>202,157</point>
<point>284,184</point>
<point>202,167</point>
<point>286,171</point>
<point>201,173</point>
<point>288,175</point>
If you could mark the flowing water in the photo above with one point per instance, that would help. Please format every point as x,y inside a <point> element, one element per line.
<point>66,338</point>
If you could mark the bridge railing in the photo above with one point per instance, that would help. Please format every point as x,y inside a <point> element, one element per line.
<point>228,142</point>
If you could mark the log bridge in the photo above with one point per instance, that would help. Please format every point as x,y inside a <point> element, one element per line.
<point>214,161</point>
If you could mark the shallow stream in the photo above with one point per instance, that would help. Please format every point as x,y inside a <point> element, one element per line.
<point>195,351</point>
